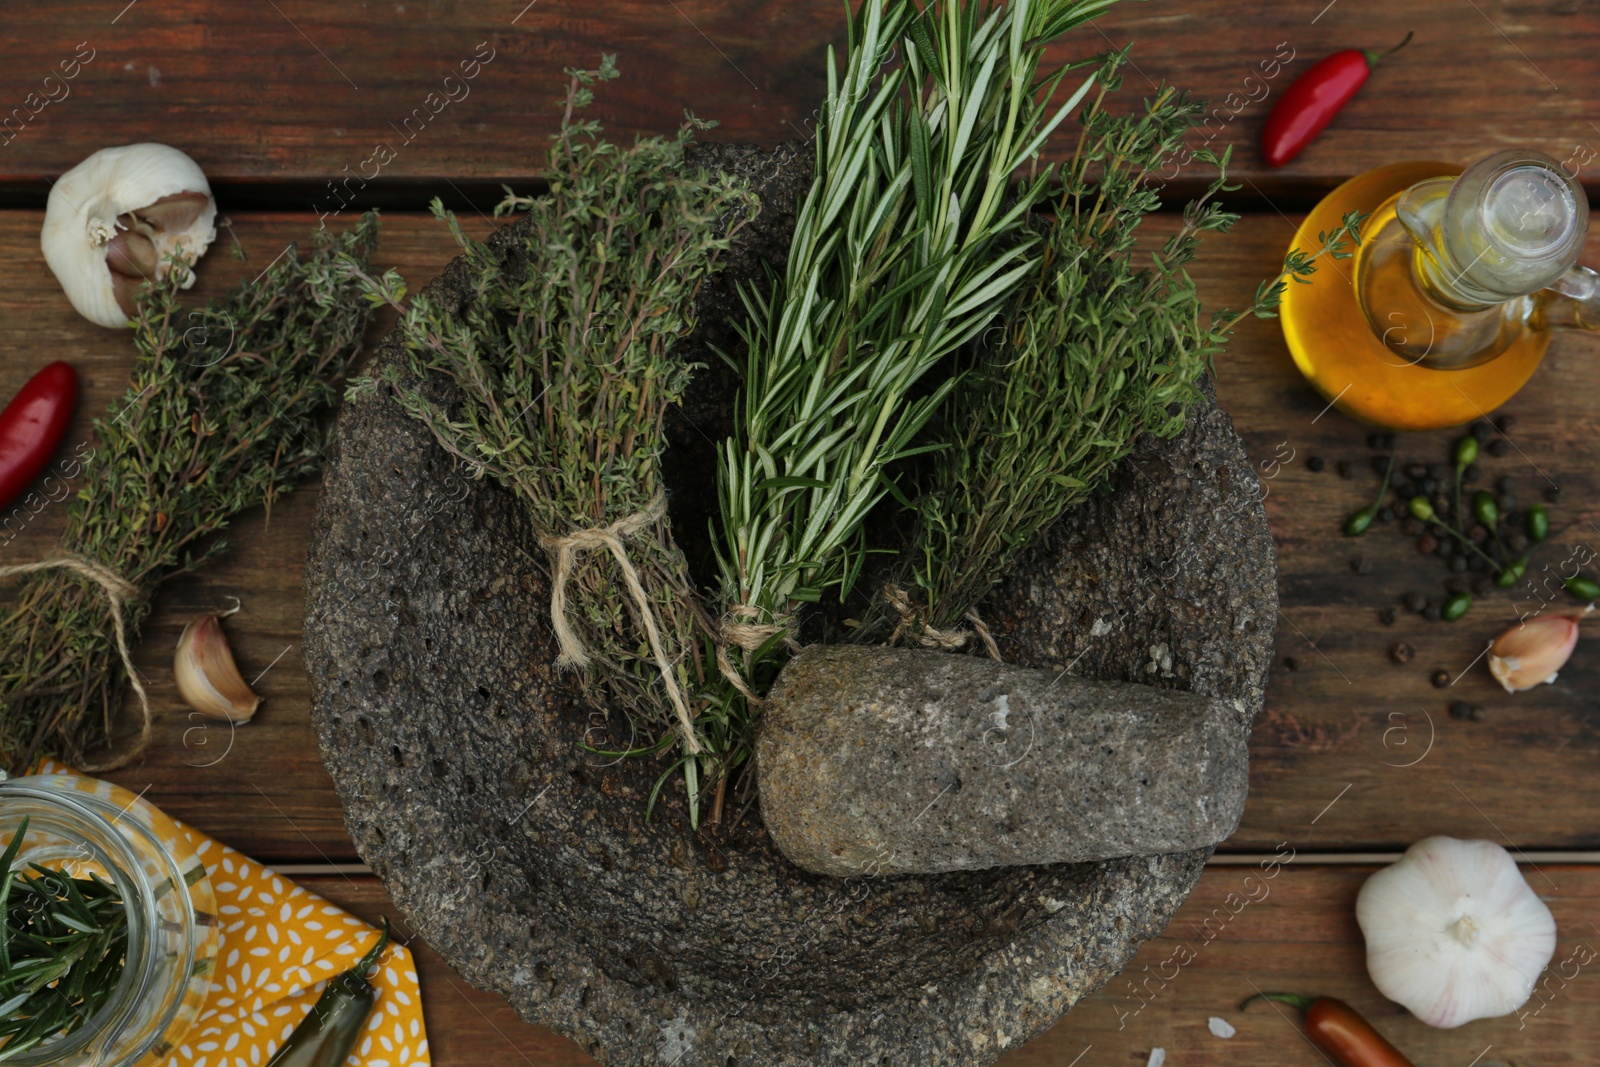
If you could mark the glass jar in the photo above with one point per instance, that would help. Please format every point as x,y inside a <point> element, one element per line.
<point>82,825</point>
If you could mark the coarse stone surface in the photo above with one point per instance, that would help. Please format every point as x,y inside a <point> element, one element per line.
<point>527,862</point>
<point>884,761</point>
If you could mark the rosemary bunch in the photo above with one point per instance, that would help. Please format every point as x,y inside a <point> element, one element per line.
<point>63,943</point>
<point>1095,351</point>
<point>221,414</point>
<point>565,360</point>
<point>911,239</point>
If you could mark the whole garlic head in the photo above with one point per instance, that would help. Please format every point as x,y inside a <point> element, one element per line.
<point>1454,932</point>
<point>113,219</point>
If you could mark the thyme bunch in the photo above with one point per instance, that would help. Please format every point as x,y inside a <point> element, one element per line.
<point>1096,350</point>
<point>222,413</point>
<point>63,943</point>
<point>566,358</point>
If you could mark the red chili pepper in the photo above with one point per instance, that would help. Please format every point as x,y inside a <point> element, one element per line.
<point>32,425</point>
<point>1314,99</point>
<point>1336,1028</point>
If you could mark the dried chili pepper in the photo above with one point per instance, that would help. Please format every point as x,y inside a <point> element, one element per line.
<point>1337,1029</point>
<point>1308,105</point>
<point>325,1037</point>
<point>32,425</point>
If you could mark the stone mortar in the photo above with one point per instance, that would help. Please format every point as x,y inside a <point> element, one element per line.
<point>527,864</point>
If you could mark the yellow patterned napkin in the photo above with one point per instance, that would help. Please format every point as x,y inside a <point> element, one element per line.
<point>280,945</point>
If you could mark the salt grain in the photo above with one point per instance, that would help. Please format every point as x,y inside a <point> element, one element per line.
<point>1221,1027</point>
<point>1158,1056</point>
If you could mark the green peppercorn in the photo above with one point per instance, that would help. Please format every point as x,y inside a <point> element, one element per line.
<point>1583,587</point>
<point>1357,523</point>
<point>1457,605</point>
<point>1484,508</point>
<point>1506,578</point>
<point>1466,451</point>
<point>1538,523</point>
<point>1420,508</point>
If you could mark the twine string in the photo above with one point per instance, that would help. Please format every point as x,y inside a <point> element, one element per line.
<point>929,636</point>
<point>564,550</point>
<point>119,591</point>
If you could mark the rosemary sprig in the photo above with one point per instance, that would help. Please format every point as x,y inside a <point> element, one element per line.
<point>1096,351</point>
<point>63,942</point>
<point>911,239</point>
<point>221,415</point>
<point>566,359</point>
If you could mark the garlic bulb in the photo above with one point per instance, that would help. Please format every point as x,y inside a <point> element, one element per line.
<point>1532,652</point>
<point>1454,933</point>
<point>113,219</point>
<point>208,680</point>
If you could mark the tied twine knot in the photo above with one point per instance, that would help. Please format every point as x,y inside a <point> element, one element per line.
<point>119,591</point>
<point>748,636</point>
<point>928,636</point>
<point>564,550</point>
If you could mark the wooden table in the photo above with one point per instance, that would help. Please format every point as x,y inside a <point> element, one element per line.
<point>1355,757</point>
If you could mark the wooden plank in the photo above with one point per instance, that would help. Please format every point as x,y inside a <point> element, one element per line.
<point>1327,740</point>
<point>1297,934</point>
<point>299,92</point>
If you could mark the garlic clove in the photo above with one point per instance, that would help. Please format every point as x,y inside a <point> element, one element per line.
<point>1531,653</point>
<point>150,190</point>
<point>132,255</point>
<point>1454,932</point>
<point>207,677</point>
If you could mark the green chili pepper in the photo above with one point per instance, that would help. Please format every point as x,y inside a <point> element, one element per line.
<point>1466,451</point>
<point>1538,522</point>
<point>1483,506</point>
<point>1583,587</point>
<point>325,1037</point>
<point>1420,507</point>
<point>1455,607</point>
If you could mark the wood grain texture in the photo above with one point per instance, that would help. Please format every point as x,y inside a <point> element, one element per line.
<point>1239,932</point>
<point>295,93</point>
<point>1327,756</point>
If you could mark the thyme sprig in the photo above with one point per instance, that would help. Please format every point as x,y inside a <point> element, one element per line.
<point>222,413</point>
<point>63,945</point>
<point>1096,350</point>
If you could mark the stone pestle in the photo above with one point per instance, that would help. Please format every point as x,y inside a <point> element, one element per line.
<point>877,760</point>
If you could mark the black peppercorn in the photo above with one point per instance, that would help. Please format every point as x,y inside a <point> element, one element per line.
<point>1386,514</point>
<point>1458,564</point>
<point>1440,679</point>
<point>1415,601</point>
<point>1314,464</point>
<point>1470,474</point>
<point>1482,430</point>
<point>1441,472</point>
<point>1430,485</point>
<point>1517,542</point>
<point>1361,565</point>
<point>1506,423</point>
<point>1344,467</point>
<point>1507,501</point>
<point>1374,440</point>
<point>1416,471</point>
<point>1552,494</point>
<point>1498,447</point>
<point>1433,613</point>
<point>1290,663</point>
<point>1503,484</point>
<point>1401,653</point>
<point>1387,616</point>
<point>1460,709</point>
